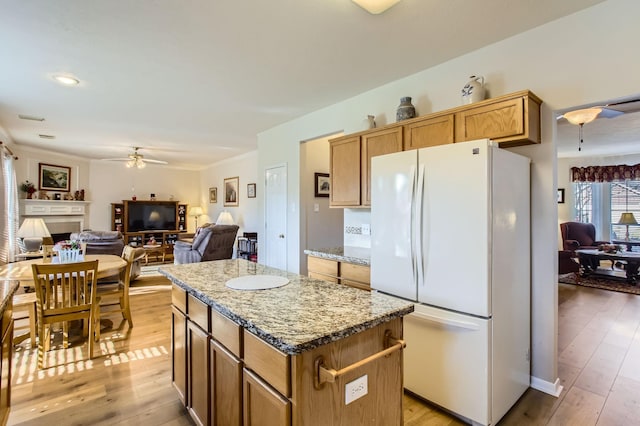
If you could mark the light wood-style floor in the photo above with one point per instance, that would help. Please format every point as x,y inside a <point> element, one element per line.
<point>599,366</point>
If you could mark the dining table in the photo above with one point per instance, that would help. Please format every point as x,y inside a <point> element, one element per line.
<point>108,265</point>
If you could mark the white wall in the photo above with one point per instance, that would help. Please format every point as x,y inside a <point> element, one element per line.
<point>321,228</point>
<point>246,215</point>
<point>589,66</point>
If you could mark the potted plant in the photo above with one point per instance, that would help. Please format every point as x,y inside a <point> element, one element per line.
<point>28,187</point>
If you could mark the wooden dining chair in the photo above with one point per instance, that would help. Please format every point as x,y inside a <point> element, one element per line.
<point>66,292</point>
<point>120,290</point>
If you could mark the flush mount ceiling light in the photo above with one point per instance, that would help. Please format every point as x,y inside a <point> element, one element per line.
<point>66,79</point>
<point>582,116</point>
<point>375,6</point>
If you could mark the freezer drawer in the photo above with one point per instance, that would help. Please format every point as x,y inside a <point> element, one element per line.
<point>446,361</point>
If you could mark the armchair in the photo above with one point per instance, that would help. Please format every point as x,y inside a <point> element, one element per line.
<point>211,242</point>
<point>567,264</point>
<point>578,235</point>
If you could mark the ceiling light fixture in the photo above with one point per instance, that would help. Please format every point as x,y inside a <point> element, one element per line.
<point>580,117</point>
<point>66,80</point>
<point>375,7</point>
<point>136,162</point>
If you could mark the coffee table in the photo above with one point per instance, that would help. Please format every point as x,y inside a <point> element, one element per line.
<point>153,249</point>
<point>632,260</point>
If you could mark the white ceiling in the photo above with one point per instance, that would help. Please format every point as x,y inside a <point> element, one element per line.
<point>194,81</point>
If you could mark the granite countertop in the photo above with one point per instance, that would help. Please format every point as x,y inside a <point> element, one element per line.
<point>300,316</point>
<point>357,255</point>
<point>7,290</point>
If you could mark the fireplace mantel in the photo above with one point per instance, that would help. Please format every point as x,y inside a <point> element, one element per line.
<point>52,207</point>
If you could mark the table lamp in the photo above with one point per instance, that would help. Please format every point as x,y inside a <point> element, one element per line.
<point>627,219</point>
<point>32,231</point>
<point>196,212</point>
<point>224,218</point>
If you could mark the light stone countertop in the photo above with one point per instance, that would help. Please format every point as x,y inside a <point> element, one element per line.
<point>300,316</point>
<point>349,254</point>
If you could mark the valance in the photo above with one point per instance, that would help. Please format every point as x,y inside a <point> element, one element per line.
<point>605,173</point>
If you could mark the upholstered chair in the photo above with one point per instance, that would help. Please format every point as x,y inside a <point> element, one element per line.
<point>567,264</point>
<point>578,235</point>
<point>210,242</point>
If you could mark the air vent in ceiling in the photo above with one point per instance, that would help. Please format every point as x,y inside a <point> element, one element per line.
<point>47,136</point>
<point>30,117</point>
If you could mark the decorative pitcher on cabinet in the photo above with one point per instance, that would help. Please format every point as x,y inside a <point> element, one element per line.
<point>473,91</point>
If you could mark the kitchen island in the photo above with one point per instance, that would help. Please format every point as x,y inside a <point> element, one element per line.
<point>305,353</point>
<point>7,290</point>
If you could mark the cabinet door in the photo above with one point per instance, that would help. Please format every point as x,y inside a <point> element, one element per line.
<point>5,371</point>
<point>355,275</point>
<point>429,132</point>
<point>344,156</point>
<point>226,387</point>
<point>179,353</point>
<point>382,142</point>
<point>198,373</point>
<point>323,269</point>
<point>263,406</point>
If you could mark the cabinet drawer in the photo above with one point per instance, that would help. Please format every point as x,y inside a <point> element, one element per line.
<point>198,313</point>
<point>268,362</point>
<point>179,298</point>
<point>323,277</point>
<point>227,332</point>
<point>352,272</point>
<point>322,266</point>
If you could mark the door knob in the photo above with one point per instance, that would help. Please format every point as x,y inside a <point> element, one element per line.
<point>281,236</point>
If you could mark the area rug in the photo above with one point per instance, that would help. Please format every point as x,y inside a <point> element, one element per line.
<point>600,282</point>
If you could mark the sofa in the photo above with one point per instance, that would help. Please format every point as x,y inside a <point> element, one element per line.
<point>210,242</point>
<point>106,242</point>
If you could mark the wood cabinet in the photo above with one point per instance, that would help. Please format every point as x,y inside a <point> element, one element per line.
<point>198,373</point>
<point>263,406</point>
<point>226,389</point>
<point>6,360</point>
<point>511,120</point>
<point>334,271</point>
<point>345,157</point>
<point>179,342</point>
<point>386,141</point>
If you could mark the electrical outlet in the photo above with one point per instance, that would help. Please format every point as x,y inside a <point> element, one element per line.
<point>356,389</point>
<point>366,229</point>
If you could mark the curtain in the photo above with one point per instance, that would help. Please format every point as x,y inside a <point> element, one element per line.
<point>9,205</point>
<point>605,173</point>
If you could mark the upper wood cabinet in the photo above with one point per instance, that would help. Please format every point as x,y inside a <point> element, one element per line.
<point>429,131</point>
<point>386,141</point>
<point>510,120</point>
<point>344,154</point>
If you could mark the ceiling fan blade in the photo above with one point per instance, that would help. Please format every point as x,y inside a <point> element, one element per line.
<point>115,159</point>
<point>609,113</point>
<point>148,160</point>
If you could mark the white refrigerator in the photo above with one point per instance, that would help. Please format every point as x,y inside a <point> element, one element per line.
<point>450,230</point>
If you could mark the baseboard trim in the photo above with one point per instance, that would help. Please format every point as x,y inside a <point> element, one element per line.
<point>553,389</point>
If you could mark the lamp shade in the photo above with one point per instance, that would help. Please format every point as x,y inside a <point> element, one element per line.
<point>375,6</point>
<point>582,116</point>
<point>196,211</point>
<point>627,219</point>
<point>33,228</point>
<point>224,218</point>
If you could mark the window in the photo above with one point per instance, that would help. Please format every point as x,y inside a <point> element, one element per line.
<point>603,203</point>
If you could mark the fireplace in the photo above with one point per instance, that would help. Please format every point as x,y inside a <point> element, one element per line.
<point>61,217</point>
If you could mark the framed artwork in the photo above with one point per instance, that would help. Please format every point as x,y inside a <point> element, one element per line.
<point>213,195</point>
<point>231,191</point>
<point>560,195</point>
<point>54,178</point>
<point>251,190</point>
<point>322,185</point>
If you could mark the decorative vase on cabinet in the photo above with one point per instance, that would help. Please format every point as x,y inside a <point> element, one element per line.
<point>473,91</point>
<point>405,110</point>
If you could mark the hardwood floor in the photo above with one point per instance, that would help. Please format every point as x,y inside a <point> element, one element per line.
<point>599,366</point>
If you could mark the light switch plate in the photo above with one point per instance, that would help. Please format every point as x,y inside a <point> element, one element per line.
<point>316,207</point>
<point>356,389</point>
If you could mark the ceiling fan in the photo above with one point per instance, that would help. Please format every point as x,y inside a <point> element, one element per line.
<point>136,159</point>
<point>612,110</point>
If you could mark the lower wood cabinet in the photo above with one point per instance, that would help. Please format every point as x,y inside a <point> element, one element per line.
<point>263,405</point>
<point>198,374</point>
<point>339,272</point>
<point>179,352</point>
<point>6,359</point>
<point>226,386</point>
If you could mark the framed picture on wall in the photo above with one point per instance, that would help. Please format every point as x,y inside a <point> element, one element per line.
<point>213,195</point>
<point>54,178</point>
<point>231,191</point>
<point>322,184</point>
<point>560,195</point>
<point>251,190</point>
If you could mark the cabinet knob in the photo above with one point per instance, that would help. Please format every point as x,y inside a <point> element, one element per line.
<point>281,236</point>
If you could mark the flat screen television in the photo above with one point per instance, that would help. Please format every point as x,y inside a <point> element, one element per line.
<point>151,216</point>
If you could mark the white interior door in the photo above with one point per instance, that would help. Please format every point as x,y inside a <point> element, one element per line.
<point>275,221</point>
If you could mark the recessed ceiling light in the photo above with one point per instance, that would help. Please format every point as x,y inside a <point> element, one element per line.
<point>47,136</point>
<point>65,79</point>
<point>30,117</point>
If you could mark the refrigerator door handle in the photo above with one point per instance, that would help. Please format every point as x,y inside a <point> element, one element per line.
<point>444,321</point>
<point>413,223</point>
<point>419,236</point>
